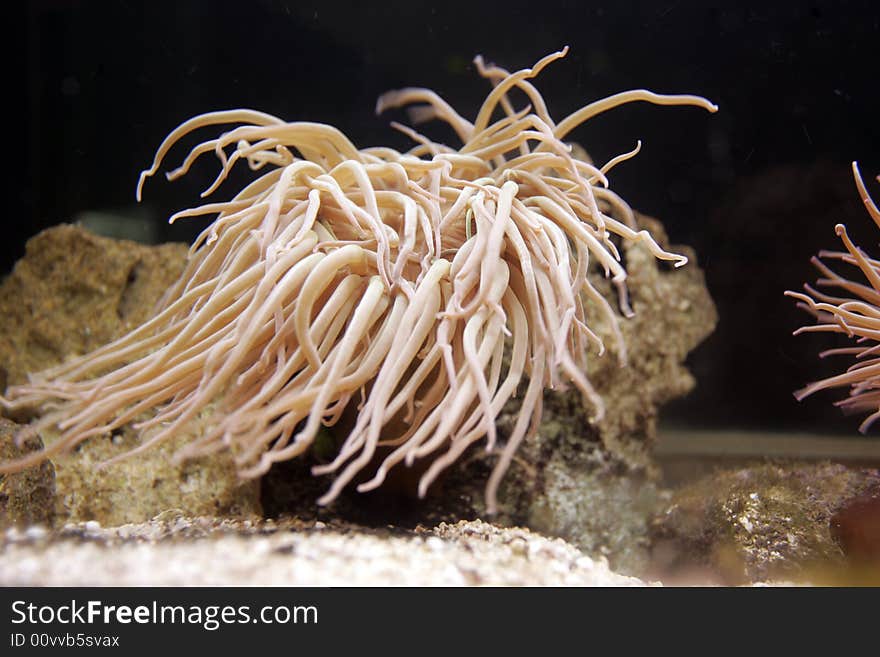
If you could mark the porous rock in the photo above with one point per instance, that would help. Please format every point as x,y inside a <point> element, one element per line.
<point>767,521</point>
<point>26,497</point>
<point>74,291</point>
<point>71,293</point>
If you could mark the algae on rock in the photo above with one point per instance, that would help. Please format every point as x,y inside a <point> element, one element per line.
<point>764,522</point>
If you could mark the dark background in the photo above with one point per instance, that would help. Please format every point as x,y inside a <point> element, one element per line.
<point>755,188</point>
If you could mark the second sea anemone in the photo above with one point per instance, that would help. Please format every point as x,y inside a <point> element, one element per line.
<point>850,307</point>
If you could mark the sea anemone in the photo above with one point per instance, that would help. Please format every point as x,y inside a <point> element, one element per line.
<point>409,293</point>
<point>856,315</point>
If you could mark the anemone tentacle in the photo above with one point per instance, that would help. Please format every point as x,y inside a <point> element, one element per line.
<point>414,292</point>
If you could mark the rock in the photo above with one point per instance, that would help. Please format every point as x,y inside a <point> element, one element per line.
<point>765,522</point>
<point>26,497</point>
<point>142,486</point>
<point>73,292</point>
<point>183,551</point>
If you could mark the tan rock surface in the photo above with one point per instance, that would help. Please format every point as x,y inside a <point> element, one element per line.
<point>73,292</point>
